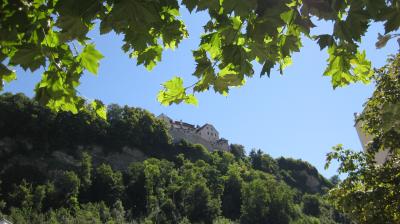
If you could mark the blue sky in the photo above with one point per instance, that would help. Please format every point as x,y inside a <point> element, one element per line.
<point>296,115</point>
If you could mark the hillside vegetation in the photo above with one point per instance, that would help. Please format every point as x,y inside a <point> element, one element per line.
<point>77,168</point>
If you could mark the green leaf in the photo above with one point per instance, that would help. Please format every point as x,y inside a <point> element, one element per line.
<point>173,32</point>
<point>289,44</point>
<point>28,57</point>
<point>58,91</point>
<point>51,39</point>
<point>320,9</point>
<point>258,51</point>
<point>203,63</point>
<point>239,56</point>
<point>100,109</point>
<point>325,40</point>
<point>338,68</point>
<point>391,116</point>
<point>139,41</point>
<point>288,16</point>
<point>393,20</point>
<point>105,26</point>
<point>90,58</point>
<point>174,92</point>
<point>211,43</point>
<point>138,14</point>
<point>239,7</point>
<point>207,79</point>
<point>358,23</point>
<point>191,99</point>
<point>190,4</point>
<point>362,68</point>
<point>304,23</point>
<point>149,57</point>
<point>204,71</point>
<point>236,22</point>
<point>63,105</point>
<point>7,75</point>
<point>72,27</point>
<point>345,68</point>
<point>284,63</point>
<point>50,87</point>
<point>268,65</point>
<point>208,5</point>
<point>230,77</point>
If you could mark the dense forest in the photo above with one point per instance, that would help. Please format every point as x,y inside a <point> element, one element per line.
<point>78,168</point>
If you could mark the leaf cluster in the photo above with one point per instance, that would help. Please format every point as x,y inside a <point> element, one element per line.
<point>52,35</point>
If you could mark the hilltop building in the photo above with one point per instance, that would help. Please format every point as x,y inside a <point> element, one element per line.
<point>365,138</point>
<point>207,135</point>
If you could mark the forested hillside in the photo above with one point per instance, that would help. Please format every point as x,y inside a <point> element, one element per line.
<point>78,168</point>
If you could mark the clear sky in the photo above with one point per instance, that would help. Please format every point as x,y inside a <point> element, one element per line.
<point>296,115</point>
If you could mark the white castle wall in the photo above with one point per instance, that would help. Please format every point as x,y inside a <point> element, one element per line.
<point>381,156</point>
<point>209,133</point>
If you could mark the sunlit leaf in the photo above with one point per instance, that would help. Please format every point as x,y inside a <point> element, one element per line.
<point>99,109</point>
<point>90,58</point>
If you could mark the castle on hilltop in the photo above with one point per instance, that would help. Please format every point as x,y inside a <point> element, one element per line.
<point>205,135</point>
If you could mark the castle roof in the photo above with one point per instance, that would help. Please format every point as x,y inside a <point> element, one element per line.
<point>205,125</point>
<point>185,124</point>
<point>163,116</point>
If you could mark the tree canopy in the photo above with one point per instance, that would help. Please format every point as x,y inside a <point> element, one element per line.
<point>370,193</point>
<point>53,35</point>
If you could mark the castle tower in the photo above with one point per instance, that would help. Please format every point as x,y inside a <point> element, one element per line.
<point>365,138</point>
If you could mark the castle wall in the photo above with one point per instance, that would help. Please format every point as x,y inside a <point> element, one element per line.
<point>178,135</point>
<point>224,146</point>
<point>208,132</point>
<point>365,138</point>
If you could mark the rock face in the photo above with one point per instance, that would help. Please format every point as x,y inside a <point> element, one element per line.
<point>119,160</point>
<point>311,182</point>
<point>302,175</point>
